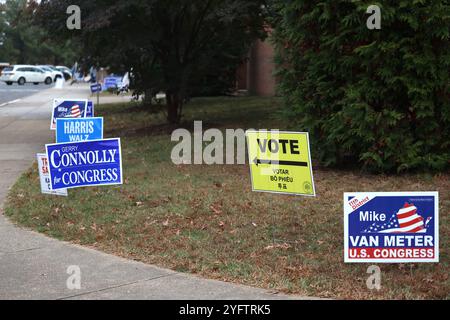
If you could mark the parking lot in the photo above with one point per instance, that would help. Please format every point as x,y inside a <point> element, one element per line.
<point>14,92</point>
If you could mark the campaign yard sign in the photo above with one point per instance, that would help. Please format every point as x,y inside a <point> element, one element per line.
<point>90,110</point>
<point>44,176</point>
<point>82,164</point>
<point>280,162</point>
<point>77,130</point>
<point>97,87</point>
<point>67,108</point>
<point>112,82</point>
<point>391,227</point>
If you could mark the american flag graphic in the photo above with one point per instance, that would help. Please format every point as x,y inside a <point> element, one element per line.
<point>75,112</point>
<point>406,220</point>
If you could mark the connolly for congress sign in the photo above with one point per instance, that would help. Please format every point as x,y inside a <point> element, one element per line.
<point>396,227</point>
<point>80,164</point>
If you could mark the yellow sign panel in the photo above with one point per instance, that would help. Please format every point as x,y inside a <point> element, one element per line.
<point>280,162</point>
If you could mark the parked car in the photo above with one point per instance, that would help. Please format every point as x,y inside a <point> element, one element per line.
<point>3,65</point>
<point>66,71</point>
<point>25,73</point>
<point>56,74</point>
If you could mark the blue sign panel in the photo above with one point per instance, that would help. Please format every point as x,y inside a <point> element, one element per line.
<point>90,109</point>
<point>395,227</point>
<point>65,108</point>
<point>112,82</point>
<point>96,87</point>
<point>78,130</point>
<point>82,164</point>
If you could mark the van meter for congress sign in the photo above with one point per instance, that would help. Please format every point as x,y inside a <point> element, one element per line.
<point>398,227</point>
<point>44,176</point>
<point>77,130</point>
<point>68,109</point>
<point>280,162</point>
<point>81,164</point>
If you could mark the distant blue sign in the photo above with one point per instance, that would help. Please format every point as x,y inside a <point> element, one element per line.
<point>90,110</point>
<point>78,130</point>
<point>63,108</point>
<point>82,164</point>
<point>391,227</point>
<point>97,87</point>
<point>112,82</point>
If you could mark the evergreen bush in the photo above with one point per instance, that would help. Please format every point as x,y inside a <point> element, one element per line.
<point>379,98</point>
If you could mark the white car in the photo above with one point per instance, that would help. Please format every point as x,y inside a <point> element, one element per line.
<point>66,71</point>
<point>22,74</point>
<point>53,71</point>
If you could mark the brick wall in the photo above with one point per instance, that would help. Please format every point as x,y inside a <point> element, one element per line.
<point>261,67</point>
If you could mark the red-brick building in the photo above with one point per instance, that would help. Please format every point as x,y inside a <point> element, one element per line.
<point>256,75</point>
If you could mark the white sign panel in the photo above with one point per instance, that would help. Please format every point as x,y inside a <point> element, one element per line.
<point>44,175</point>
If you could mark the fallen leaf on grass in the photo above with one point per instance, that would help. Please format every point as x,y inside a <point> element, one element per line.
<point>165,223</point>
<point>215,210</point>
<point>429,279</point>
<point>147,224</point>
<point>248,205</point>
<point>284,246</point>
<point>219,184</point>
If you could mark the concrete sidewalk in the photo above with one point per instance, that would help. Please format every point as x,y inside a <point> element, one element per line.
<point>33,266</point>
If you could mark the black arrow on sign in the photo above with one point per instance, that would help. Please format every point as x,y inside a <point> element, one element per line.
<point>281,163</point>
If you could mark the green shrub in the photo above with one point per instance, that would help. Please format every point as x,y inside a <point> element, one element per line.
<point>379,98</point>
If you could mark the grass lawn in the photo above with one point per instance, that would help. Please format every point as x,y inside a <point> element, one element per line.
<point>206,220</point>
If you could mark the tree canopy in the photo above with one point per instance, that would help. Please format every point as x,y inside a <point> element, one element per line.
<point>169,45</point>
<point>23,41</point>
<point>380,98</point>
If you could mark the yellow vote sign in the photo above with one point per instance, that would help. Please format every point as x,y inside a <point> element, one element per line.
<point>280,162</point>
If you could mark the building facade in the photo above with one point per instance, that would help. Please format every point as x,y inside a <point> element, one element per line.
<point>256,74</point>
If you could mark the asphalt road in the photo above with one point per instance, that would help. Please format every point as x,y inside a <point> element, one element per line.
<point>14,92</point>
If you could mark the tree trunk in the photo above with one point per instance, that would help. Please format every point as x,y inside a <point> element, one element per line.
<point>148,95</point>
<point>173,108</point>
